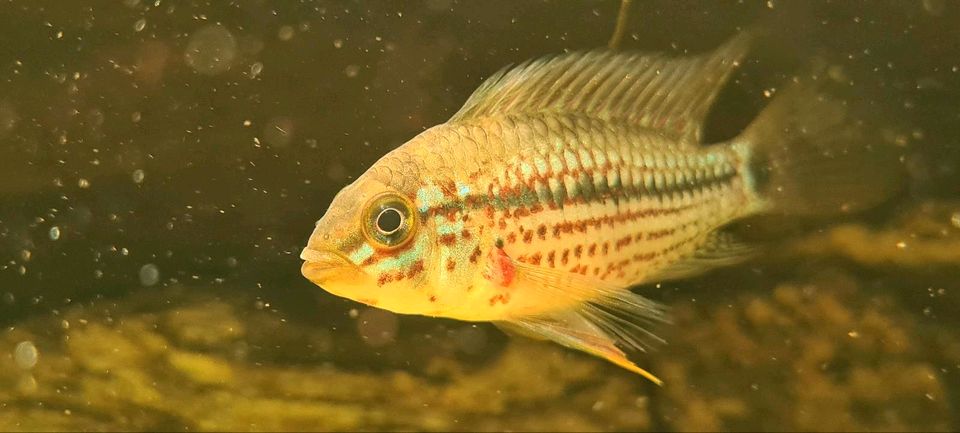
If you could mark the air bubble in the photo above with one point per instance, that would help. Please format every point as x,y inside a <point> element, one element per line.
<point>138,176</point>
<point>149,275</point>
<point>25,355</point>
<point>351,71</point>
<point>140,25</point>
<point>211,50</point>
<point>285,33</point>
<point>54,233</point>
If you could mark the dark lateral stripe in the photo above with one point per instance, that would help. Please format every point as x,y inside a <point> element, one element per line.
<point>537,193</point>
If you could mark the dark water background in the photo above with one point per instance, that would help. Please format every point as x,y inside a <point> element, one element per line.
<point>149,148</point>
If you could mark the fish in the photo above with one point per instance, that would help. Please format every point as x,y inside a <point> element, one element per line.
<point>567,182</point>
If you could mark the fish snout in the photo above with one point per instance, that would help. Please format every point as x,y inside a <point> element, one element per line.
<point>321,266</point>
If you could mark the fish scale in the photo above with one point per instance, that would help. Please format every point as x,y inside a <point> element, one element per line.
<point>550,181</point>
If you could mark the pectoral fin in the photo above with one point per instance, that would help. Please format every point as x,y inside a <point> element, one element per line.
<point>597,318</point>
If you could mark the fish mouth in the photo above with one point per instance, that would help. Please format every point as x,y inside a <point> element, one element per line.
<point>321,266</point>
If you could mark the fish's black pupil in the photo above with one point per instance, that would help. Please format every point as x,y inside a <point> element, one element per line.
<point>389,220</point>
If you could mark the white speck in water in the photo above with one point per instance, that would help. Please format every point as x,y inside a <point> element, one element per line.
<point>25,355</point>
<point>83,183</point>
<point>353,313</point>
<point>54,233</point>
<point>256,69</point>
<point>140,25</point>
<point>135,116</point>
<point>351,71</point>
<point>232,262</point>
<point>211,50</point>
<point>149,274</point>
<point>338,43</point>
<point>901,245</point>
<point>955,219</point>
<point>138,175</point>
<point>25,255</point>
<point>278,131</point>
<point>285,33</point>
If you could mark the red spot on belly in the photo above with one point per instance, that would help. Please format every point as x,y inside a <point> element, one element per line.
<point>448,239</point>
<point>433,298</point>
<point>501,269</point>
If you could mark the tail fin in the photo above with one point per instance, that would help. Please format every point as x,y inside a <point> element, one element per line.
<point>808,156</point>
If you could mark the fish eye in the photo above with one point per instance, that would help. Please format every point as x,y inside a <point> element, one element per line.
<point>389,221</point>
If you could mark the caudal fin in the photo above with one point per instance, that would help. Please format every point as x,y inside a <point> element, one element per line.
<point>808,155</point>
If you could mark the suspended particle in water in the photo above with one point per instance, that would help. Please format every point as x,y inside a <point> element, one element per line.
<point>256,69</point>
<point>149,275</point>
<point>955,219</point>
<point>25,255</point>
<point>135,116</point>
<point>83,183</point>
<point>140,25</point>
<point>377,327</point>
<point>138,175</point>
<point>232,262</point>
<point>285,33</point>
<point>25,355</point>
<point>338,43</point>
<point>54,233</point>
<point>278,131</point>
<point>211,50</point>
<point>8,118</point>
<point>351,71</point>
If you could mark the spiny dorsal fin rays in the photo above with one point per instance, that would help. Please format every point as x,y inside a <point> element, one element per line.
<point>669,94</point>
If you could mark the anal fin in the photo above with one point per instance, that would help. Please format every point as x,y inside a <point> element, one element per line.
<point>719,249</point>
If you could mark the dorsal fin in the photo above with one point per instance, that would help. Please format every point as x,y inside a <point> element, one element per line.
<point>669,94</point>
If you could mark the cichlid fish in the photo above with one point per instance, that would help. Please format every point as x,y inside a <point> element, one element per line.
<point>565,181</point>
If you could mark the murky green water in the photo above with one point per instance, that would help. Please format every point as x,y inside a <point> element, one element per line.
<point>162,163</point>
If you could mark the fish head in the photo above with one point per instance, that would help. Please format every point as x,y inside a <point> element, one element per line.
<point>370,247</point>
